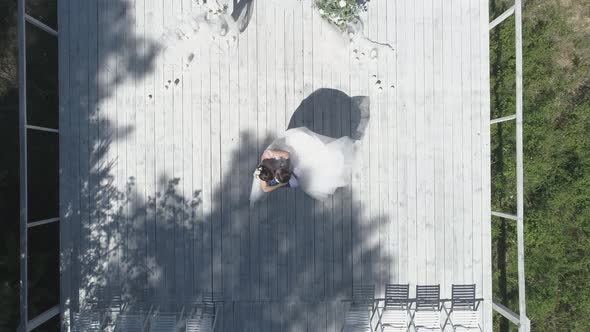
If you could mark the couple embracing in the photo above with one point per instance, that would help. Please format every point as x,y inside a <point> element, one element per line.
<point>301,158</point>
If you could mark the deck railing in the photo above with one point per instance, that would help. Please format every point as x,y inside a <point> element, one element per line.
<point>28,323</point>
<point>520,319</point>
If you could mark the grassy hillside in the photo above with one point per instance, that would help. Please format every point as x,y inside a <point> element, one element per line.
<point>556,50</point>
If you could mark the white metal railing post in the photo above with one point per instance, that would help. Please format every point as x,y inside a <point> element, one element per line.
<point>25,324</point>
<point>519,167</point>
<point>22,133</point>
<point>523,322</point>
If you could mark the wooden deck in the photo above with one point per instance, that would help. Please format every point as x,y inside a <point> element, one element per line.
<point>157,158</point>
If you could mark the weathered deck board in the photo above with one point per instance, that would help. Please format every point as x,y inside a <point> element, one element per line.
<point>392,128</point>
<point>401,140</point>
<point>438,130</point>
<point>417,210</point>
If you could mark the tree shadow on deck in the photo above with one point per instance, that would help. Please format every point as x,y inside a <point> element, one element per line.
<point>289,252</point>
<point>102,49</point>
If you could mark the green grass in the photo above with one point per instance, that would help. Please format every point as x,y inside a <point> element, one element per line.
<point>556,49</point>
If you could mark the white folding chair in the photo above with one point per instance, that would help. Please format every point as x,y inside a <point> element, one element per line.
<point>129,323</point>
<point>428,308</point>
<point>163,323</point>
<point>394,315</point>
<point>357,320</point>
<point>463,315</point>
<point>87,322</point>
<point>200,324</point>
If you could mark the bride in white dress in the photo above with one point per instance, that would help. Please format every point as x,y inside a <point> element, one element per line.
<point>301,158</point>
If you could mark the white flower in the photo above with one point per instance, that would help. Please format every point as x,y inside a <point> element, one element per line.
<point>321,12</point>
<point>342,3</point>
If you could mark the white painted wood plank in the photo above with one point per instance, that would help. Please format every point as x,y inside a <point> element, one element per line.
<point>216,164</point>
<point>121,142</point>
<point>486,234</point>
<point>83,97</point>
<point>246,168</point>
<point>258,224</point>
<point>159,151</point>
<point>272,218</point>
<point>141,159</point>
<point>226,167</point>
<point>107,134</point>
<point>206,139</point>
<point>75,59</point>
<point>168,216</point>
<point>163,151</point>
<point>355,217</point>
<point>411,171</point>
<point>347,269</point>
<point>373,233</point>
<point>188,170</point>
<point>281,82</point>
<point>335,251</point>
<point>309,204</point>
<point>198,170</point>
<point>253,153</point>
<point>176,86</point>
<point>279,278</point>
<point>402,141</point>
<point>438,136</point>
<point>429,145</point>
<point>318,217</point>
<point>291,103</point>
<point>363,241</point>
<point>195,105</point>
<point>333,231</point>
<point>298,218</point>
<point>150,154</point>
<point>235,204</point>
<point>392,148</point>
<point>65,188</point>
<point>103,140</point>
<point>405,36</point>
<point>448,145</point>
<point>476,153</point>
<point>423,177</point>
<point>329,107</point>
<point>96,221</point>
<point>383,154</point>
<point>456,104</point>
<point>133,220</point>
<point>467,108</point>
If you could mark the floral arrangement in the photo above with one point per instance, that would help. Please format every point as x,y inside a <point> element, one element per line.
<point>340,12</point>
<point>213,7</point>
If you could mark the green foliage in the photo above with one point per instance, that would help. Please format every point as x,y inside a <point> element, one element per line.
<point>340,12</point>
<point>556,49</point>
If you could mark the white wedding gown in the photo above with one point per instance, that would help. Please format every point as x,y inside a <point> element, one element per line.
<point>320,164</point>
